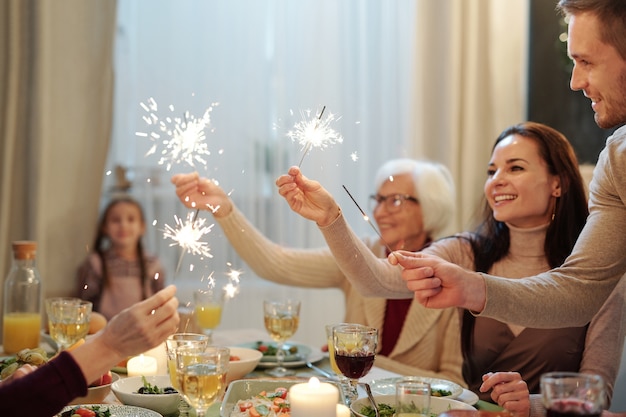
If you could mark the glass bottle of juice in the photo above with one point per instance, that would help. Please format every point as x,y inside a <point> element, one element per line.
<point>22,300</point>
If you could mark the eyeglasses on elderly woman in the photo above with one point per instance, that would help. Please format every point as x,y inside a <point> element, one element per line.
<point>392,202</point>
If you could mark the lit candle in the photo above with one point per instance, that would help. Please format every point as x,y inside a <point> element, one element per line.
<point>159,354</point>
<point>313,399</point>
<point>141,365</point>
<point>343,410</point>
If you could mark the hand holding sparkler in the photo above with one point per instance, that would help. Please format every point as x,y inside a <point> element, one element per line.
<point>200,193</point>
<point>307,197</point>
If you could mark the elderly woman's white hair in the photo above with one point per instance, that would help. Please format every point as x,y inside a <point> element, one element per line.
<point>433,186</point>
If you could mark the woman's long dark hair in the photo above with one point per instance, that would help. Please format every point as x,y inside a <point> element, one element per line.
<point>490,241</point>
<point>102,241</point>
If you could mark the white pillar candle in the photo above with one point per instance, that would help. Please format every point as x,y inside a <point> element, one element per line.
<point>313,399</point>
<point>141,365</point>
<point>343,410</point>
<point>159,354</point>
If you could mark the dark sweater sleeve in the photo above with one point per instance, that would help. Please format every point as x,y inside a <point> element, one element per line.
<point>45,391</point>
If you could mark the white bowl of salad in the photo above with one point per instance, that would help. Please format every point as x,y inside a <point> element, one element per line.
<point>153,392</point>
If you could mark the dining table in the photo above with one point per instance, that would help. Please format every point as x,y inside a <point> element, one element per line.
<point>234,337</point>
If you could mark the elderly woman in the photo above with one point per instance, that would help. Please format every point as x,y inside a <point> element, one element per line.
<point>414,202</point>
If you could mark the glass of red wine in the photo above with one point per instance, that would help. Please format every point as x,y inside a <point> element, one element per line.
<point>355,350</point>
<point>572,394</point>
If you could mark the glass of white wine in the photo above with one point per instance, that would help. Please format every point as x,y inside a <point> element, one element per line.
<point>173,342</point>
<point>281,322</point>
<point>201,375</point>
<point>68,320</point>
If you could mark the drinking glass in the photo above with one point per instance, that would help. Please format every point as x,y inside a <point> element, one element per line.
<point>412,397</point>
<point>68,320</point>
<point>567,394</point>
<point>208,309</point>
<point>343,380</point>
<point>355,350</point>
<point>173,342</point>
<point>201,375</point>
<point>177,340</point>
<point>281,322</point>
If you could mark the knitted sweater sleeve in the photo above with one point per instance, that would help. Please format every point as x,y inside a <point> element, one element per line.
<point>370,275</point>
<point>571,294</point>
<point>315,268</point>
<point>45,391</point>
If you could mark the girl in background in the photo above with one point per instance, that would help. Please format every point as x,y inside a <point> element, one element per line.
<point>119,273</point>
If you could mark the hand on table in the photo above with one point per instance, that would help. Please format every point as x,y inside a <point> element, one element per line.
<point>509,391</point>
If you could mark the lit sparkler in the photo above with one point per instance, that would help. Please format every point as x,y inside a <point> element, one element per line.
<point>187,235</point>
<point>367,219</point>
<point>232,287</point>
<point>183,138</point>
<point>314,132</point>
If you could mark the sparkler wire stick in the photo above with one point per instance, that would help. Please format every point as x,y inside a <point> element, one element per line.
<point>367,219</point>
<point>307,148</point>
<point>182,250</point>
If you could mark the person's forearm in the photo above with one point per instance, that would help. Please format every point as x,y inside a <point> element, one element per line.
<point>315,268</point>
<point>372,276</point>
<point>95,358</point>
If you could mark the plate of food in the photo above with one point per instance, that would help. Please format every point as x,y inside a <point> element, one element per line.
<point>245,393</point>
<point>387,403</point>
<point>438,387</point>
<point>110,410</point>
<point>296,354</point>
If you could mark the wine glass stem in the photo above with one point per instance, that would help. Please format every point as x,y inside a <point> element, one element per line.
<point>352,393</point>
<point>280,355</point>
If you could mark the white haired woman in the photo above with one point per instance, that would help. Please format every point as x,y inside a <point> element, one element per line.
<point>413,204</point>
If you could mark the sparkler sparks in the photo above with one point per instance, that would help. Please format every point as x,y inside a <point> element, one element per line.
<point>184,137</point>
<point>315,132</point>
<point>187,235</point>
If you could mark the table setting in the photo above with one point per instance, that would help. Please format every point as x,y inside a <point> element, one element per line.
<point>210,372</point>
<point>310,363</point>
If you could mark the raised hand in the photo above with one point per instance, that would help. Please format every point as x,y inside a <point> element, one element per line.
<point>143,325</point>
<point>202,193</point>
<point>509,391</point>
<point>307,197</point>
<point>440,284</point>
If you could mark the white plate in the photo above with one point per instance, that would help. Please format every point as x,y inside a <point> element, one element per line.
<point>291,361</point>
<point>468,397</point>
<point>387,386</point>
<point>120,410</point>
<point>438,405</point>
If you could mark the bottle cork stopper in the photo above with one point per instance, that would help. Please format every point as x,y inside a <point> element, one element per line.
<point>24,249</point>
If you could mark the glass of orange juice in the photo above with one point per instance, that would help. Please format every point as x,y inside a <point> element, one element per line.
<point>208,306</point>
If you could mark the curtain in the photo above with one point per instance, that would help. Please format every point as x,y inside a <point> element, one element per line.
<point>56,90</point>
<point>470,85</point>
<point>433,79</point>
